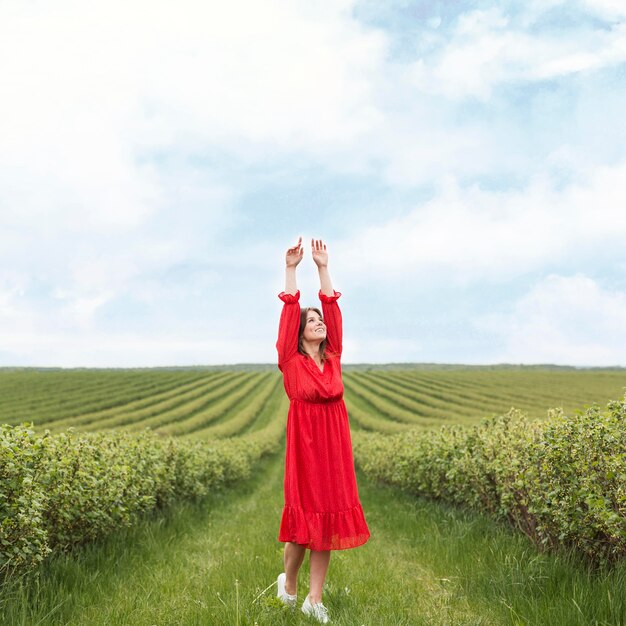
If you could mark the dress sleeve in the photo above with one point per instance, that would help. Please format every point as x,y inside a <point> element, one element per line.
<point>333,321</point>
<point>287,344</point>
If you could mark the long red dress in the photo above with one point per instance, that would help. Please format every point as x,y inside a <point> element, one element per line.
<point>322,508</point>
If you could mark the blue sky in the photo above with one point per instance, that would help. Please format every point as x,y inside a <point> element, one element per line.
<point>465,162</point>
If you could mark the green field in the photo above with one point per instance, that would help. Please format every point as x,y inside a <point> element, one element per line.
<point>206,403</point>
<point>214,561</point>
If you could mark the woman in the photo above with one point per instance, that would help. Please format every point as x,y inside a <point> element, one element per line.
<point>322,509</point>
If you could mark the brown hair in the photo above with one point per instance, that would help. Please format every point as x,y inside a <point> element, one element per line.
<point>303,316</point>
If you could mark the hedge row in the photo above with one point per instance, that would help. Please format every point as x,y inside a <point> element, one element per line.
<point>58,491</point>
<point>562,481</point>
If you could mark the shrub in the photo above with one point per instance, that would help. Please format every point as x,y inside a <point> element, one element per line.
<point>562,481</point>
<point>59,491</point>
<point>23,540</point>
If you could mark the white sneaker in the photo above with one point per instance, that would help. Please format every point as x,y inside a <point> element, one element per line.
<point>318,611</point>
<point>287,598</point>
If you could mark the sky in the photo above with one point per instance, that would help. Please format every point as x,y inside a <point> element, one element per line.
<point>465,163</point>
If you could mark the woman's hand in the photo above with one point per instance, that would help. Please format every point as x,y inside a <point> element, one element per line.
<point>320,256</point>
<point>294,255</point>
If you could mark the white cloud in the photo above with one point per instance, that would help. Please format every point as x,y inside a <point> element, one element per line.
<point>12,285</point>
<point>607,9</point>
<point>109,87</point>
<point>103,103</point>
<point>469,235</point>
<point>89,89</point>
<point>93,92</point>
<point>563,320</point>
<point>131,131</point>
<point>383,350</point>
<point>92,349</point>
<point>487,49</point>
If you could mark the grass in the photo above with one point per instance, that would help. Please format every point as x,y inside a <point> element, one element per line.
<point>216,562</point>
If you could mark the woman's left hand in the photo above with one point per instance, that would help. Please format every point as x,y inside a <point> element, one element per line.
<point>320,256</point>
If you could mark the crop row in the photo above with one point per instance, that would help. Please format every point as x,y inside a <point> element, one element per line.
<point>531,389</point>
<point>46,396</point>
<point>436,396</point>
<point>225,408</point>
<point>203,403</point>
<point>159,405</point>
<point>47,479</point>
<point>128,404</point>
<point>266,399</point>
<point>63,490</point>
<point>561,481</point>
<point>430,399</point>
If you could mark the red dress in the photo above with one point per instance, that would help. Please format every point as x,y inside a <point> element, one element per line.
<point>322,508</point>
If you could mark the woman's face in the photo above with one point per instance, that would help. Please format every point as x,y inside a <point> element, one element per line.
<point>314,329</point>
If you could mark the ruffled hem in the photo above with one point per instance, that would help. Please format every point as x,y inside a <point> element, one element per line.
<point>337,530</point>
<point>327,299</point>
<point>289,298</point>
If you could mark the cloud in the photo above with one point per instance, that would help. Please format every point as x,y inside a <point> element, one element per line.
<point>12,285</point>
<point>67,349</point>
<point>563,320</point>
<point>607,9</point>
<point>465,235</point>
<point>488,48</point>
<point>92,90</point>
<point>145,145</point>
<point>383,350</point>
<point>128,130</point>
<point>94,112</point>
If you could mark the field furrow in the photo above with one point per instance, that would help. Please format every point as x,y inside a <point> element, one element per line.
<point>245,415</point>
<point>363,417</point>
<point>154,405</point>
<point>46,405</point>
<point>218,410</point>
<point>418,404</point>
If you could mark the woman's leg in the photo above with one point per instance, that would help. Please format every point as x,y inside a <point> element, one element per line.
<point>320,559</point>
<point>294,555</point>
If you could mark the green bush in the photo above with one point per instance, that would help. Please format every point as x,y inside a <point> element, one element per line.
<point>23,540</point>
<point>59,491</point>
<point>562,481</point>
<point>574,490</point>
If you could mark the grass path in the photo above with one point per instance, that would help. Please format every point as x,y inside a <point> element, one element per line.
<point>209,563</point>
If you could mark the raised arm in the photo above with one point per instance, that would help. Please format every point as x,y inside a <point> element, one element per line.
<point>328,296</point>
<point>292,258</point>
<point>320,257</point>
<point>287,344</point>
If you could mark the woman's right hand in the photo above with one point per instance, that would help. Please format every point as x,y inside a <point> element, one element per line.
<point>294,255</point>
